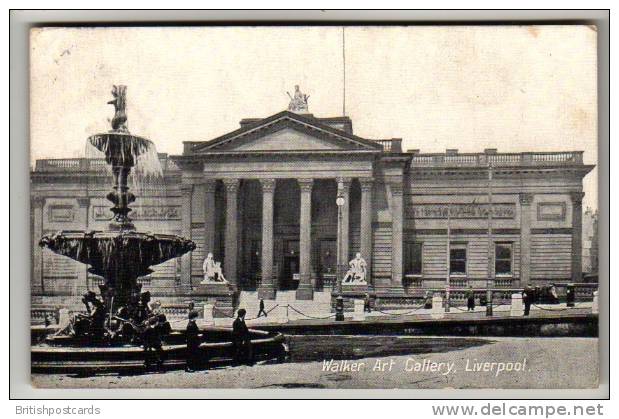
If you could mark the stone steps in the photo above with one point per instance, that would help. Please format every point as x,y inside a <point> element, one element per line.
<point>286,306</point>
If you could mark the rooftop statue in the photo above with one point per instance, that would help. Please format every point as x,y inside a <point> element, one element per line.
<point>298,102</point>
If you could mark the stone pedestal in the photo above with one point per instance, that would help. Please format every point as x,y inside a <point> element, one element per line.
<point>355,288</point>
<point>214,288</point>
<point>63,317</point>
<point>358,313</point>
<point>437,307</point>
<point>208,314</point>
<point>595,309</point>
<point>517,308</point>
<point>223,297</point>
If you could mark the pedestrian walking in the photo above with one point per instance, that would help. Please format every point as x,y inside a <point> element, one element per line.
<point>261,311</point>
<point>470,299</point>
<point>366,303</point>
<point>527,298</point>
<point>427,300</point>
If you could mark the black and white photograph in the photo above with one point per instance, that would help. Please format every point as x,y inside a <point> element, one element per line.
<point>314,207</point>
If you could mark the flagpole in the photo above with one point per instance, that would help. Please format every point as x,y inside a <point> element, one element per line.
<point>344,70</point>
<point>448,281</point>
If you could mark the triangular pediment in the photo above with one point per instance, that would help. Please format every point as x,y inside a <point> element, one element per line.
<point>286,132</point>
<point>287,139</point>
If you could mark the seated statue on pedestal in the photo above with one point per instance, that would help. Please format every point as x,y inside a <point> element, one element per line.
<point>212,271</point>
<point>357,273</point>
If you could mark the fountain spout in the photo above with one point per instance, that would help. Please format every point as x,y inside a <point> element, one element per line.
<point>121,150</point>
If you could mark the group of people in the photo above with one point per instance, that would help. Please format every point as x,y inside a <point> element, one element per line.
<point>241,342</point>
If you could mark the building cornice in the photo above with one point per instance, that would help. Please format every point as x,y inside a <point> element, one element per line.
<point>286,118</point>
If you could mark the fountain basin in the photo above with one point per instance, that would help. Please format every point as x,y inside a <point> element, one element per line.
<point>121,148</point>
<point>114,254</point>
<point>65,356</point>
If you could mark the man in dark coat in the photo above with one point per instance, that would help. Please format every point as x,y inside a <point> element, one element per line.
<point>470,299</point>
<point>192,334</point>
<point>366,303</point>
<point>527,299</point>
<point>261,311</point>
<point>241,339</point>
<point>153,351</point>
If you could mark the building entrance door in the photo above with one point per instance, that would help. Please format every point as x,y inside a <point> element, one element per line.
<point>254,274</point>
<point>290,269</point>
<point>328,256</point>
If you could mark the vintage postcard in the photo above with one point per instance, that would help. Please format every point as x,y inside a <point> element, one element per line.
<point>314,207</point>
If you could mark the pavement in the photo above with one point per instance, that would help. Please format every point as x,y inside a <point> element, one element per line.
<point>422,362</point>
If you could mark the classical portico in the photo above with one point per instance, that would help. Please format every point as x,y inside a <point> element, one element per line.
<point>272,186</point>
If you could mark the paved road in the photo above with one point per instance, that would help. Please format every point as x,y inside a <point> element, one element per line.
<point>422,362</point>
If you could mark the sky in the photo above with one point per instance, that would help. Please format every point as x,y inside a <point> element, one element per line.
<point>514,88</point>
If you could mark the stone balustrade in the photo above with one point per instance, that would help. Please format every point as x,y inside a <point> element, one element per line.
<point>497,159</point>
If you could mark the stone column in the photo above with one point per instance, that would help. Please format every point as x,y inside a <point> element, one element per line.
<point>305,290</point>
<point>397,233</point>
<point>343,185</point>
<point>367,185</point>
<point>267,289</point>
<point>231,240</point>
<point>37,252</point>
<point>82,273</point>
<point>209,216</point>
<point>525,238</point>
<point>577,236</point>
<point>186,192</point>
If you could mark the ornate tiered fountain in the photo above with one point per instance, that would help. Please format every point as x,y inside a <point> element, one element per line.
<point>120,255</point>
<point>114,329</point>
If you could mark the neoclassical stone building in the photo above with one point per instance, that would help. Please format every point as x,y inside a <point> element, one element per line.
<point>262,199</point>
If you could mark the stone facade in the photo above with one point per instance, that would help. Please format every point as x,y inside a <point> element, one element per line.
<point>262,199</point>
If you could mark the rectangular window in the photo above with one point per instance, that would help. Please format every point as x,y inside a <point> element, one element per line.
<point>413,259</point>
<point>503,258</point>
<point>457,259</point>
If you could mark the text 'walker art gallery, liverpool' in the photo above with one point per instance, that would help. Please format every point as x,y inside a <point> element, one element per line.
<point>294,208</point>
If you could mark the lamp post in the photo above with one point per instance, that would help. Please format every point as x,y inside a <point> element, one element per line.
<point>340,203</point>
<point>448,279</point>
<point>490,246</point>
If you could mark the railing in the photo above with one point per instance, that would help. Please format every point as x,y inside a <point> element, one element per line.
<point>458,282</point>
<point>503,282</point>
<point>497,159</point>
<point>413,281</point>
<point>90,165</point>
<point>393,145</point>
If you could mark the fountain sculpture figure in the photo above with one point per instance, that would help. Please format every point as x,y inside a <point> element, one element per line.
<point>120,255</point>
